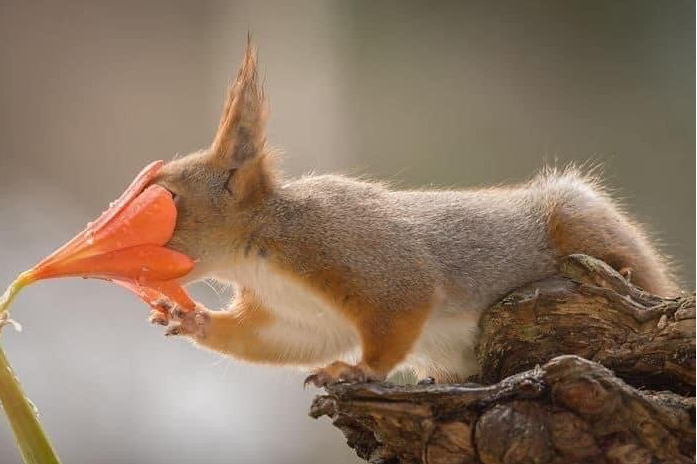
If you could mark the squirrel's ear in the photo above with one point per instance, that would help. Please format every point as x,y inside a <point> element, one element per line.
<point>241,134</point>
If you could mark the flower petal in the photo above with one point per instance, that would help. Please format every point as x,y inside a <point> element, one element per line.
<point>139,263</point>
<point>137,186</point>
<point>153,291</point>
<point>126,245</point>
<point>149,219</point>
<point>85,239</point>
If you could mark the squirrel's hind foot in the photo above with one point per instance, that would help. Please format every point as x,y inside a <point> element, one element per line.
<point>341,372</point>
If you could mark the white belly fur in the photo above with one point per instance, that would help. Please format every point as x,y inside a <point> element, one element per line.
<point>446,345</point>
<point>306,323</point>
<point>303,321</point>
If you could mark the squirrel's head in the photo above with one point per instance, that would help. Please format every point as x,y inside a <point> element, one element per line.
<point>218,190</point>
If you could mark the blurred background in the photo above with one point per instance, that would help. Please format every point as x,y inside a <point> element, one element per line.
<point>448,94</point>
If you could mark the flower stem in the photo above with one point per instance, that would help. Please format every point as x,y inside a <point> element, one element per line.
<point>32,441</point>
<point>33,444</point>
<point>24,279</point>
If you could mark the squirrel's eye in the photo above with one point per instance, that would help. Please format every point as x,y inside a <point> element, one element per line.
<point>166,187</point>
<point>174,194</point>
<point>230,174</point>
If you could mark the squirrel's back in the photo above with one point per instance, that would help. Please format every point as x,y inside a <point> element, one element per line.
<point>479,244</point>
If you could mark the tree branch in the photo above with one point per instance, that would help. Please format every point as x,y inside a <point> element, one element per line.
<point>569,410</point>
<point>594,313</point>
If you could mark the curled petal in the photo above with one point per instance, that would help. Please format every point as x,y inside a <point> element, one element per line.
<point>83,241</point>
<point>151,292</point>
<point>148,220</point>
<point>143,178</point>
<point>137,263</point>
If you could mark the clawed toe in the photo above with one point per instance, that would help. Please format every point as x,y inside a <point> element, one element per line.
<point>338,372</point>
<point>158,318</point>
<point>174,330</point>
<point>626,272</point>
<point>163,304</point>
<point>193,323</point>
<point>178,320</point>
<point>178,312</point>
<point>321,378</point>
<point>312,379</point>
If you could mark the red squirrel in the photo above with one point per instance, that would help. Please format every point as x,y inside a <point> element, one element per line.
<point>354,279</point>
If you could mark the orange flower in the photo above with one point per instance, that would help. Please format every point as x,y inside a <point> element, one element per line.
<point>125,245</point>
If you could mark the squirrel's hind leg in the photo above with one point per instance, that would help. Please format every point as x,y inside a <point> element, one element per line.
<point>386,339</point>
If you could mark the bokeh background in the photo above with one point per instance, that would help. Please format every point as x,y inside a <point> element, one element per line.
<point>446,94</point>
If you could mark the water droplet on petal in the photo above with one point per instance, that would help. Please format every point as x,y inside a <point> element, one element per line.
<point>33,407</point>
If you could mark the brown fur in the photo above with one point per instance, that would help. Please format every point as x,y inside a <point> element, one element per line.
<point>325,265</point>
<point>590,222</point>
<point>386,338</point>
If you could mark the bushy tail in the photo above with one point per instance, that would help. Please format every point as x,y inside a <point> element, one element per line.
<point>583,218</point>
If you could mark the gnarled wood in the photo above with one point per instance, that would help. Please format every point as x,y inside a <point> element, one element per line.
<point>570,410</point>
<point>592,312</point>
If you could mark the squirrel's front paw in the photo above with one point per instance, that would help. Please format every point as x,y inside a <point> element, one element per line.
<point>181,322</point>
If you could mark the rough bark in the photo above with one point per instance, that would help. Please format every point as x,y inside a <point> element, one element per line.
<point>592,312</point>
<point>570,410</point>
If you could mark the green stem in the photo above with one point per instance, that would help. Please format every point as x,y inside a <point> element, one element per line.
<point>32,441</point>
<point>22,415</point>
<point>24,279</point>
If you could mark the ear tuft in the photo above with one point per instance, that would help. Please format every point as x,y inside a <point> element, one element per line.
<point>241,133</point>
